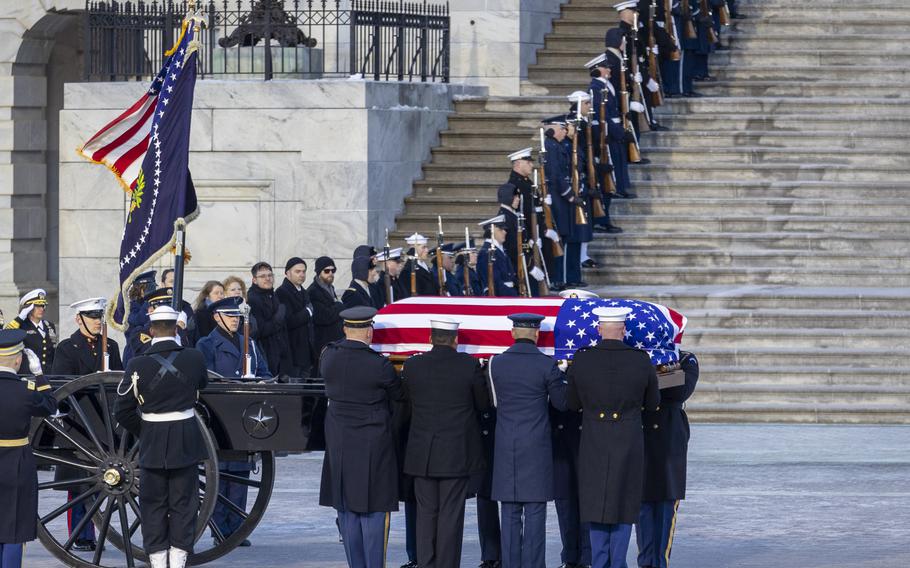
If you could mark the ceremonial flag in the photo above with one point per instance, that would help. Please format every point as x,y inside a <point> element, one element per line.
<point>162,193</point>
<point>403,328</point>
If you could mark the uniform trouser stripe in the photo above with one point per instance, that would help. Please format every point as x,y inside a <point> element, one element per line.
<point>385,537</point>
<point>670,536</point>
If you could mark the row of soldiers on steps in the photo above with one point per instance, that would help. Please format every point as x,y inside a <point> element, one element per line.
<point>549,210</point>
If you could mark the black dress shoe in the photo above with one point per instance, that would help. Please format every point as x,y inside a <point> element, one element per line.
<point>556,287</point>
<point>625,195</point>
<point>245,542</point>
<point>600,229</point>
<point>739,17</point>
<point>659,127</point>
<point>641,162</point>
<point>674,95</point>
<point>589,263</point>
<point>708,78</point>
<point>581,284</point>
<point>409,564</point>
<point>613,229</point>
<point>693,95</point>
<point>490,564</point>
<point>721,47</point>
<point>84,545</point>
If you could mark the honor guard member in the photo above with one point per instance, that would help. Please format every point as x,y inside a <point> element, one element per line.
<point>393,266</point>
<point>425,280</point>
<point>447,393</point>
<point>508,198</point>
<point>157,396</point>
<point>557,170</point>
<point>453,287</point>
<point>360,291</point>
<point>701,47</point>
<point>466,259</point>
<point>40,334</point>
<point>494,233</point>
<point>360,469</point>
<point>532,206</point>
<point>20,401</point>
<point>141,339</point>
<point>222,349</point>
<point>587,188</point>
<point>666,451</point>
<point>611,382</point>
<point>138,316</point>
<point>525,382</point>
<point>81,354</point>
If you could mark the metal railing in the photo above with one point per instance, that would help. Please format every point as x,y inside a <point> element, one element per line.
<point>300,39</point>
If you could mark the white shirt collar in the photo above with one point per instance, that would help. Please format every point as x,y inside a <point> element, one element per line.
<point>8,370</point>
<point>162,339</point>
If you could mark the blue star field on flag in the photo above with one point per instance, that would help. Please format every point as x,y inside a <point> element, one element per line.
<point>649,327</point>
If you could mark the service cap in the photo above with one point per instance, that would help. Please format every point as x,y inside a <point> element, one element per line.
<point>611,315</point>
<point>416,239</point>
<point>523,154</point>
<point>164,313</point>
<point>499,221</point>
<point>358,316</point>
<point>444,324</point>
<point>159,297</point>
<point>229,306</point>
<point>91,308</point>
<point>11,342</point>
<point>526,320</point>
<point>625,5</point>
<point>577,293</point>
<point>599,61</point>
<point>37,297</point>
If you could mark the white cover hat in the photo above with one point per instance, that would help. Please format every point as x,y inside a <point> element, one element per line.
<point>522,154</point>
<point>444,324</point>
<point>612,315</point>
<point>163,313</point>
<point>416,239</point>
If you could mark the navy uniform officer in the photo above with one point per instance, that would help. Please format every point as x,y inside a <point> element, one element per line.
<point>223,347</point>
<point>525,382</point>
<point>425,281</point>
<point>360,468</point>
<point>157,396</point>
<point>601,69</point>
<point>78,355</point>
<point>448,392</point>
<point>40,334</point>
<point>138,338</point>
<point>20,401</point>
<point>504,278</point>
<point>611,382</point>
<point>664,485</point>
<point>558,169</point>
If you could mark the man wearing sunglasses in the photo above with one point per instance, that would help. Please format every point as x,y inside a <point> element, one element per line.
<point>327,324</point>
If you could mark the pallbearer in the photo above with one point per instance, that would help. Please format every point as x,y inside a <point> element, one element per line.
<point>20,401</point>
<point>497,274</point>
<point>40,334</point>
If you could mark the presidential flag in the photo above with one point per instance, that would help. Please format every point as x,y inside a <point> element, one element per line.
<point>161,193</point>
<point>403,328</point>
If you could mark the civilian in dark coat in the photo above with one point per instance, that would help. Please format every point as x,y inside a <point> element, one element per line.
<point>165,383</point>
<point>20,401</point>
<point>299,322</point>
<point>326,306</point>
<point>611,382</point>
<point>360,469</point>
<point>447,391</point>
<point>270,315</point>
<point>524,381</point>
<point>666,448</point>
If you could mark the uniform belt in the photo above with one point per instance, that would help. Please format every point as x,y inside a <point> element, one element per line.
<point>14,443</point>
<point>168,416</point>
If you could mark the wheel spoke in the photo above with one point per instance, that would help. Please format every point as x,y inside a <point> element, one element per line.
<point>103,530</point>
<point>74,404</point>
<point>124,528</point>
<point>241,480</point>
<point>232,506</point>
<point>219,536</point>
<point>106,415</point>
<point>135,507</point>
<point>81,524</point>
<point>72,440</point>
<point>61,461</point>
<point>68,505</point>
<point>124,438</point>
<point>65,483</point>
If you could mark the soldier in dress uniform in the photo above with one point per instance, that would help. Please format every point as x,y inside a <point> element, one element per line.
<point>158,409</point>
<point>701,47</point>
<point>361,291</point>
<point>453,286</point>
<point>20,401</point>
<point>360,469</point>
<point>140,339</point>
<point>393,265</point>
<point>611,382</point>
<point>77,355</point>
<point>664,486</point>
<point>557,171</point>
<point>525,382</point>
<point>222,349</point>
<point>466,259</point>
<point>137,318</point>
<point>532,207</point>
<point>447,393</point>
<point>40,334</point>
<point>494,233</point>
<point>425,281</point>
<point>589,188</point>
<point>601,70</point>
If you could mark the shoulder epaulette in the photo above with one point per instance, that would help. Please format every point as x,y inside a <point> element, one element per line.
<point>14,324</point>
<point>144,337</point>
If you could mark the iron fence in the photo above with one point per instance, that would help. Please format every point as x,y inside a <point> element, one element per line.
<point>302,39</point>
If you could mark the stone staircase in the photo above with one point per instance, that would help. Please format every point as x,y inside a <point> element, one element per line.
<point>774,213</point>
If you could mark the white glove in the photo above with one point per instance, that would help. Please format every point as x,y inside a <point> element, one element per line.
<point>653,86</point>
<point>654,49</point>
<point>34,363</point>
<point>539,243</point>
<point>552,235</point>
<point>563,364</point>
<point>636,107</point>
<point>181,319</point>
<point>537,274</point>
<point>548,199</point>
<point>637,78</point>
<point>24,313</point>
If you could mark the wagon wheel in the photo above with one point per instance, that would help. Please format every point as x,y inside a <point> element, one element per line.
<point>84,437</point>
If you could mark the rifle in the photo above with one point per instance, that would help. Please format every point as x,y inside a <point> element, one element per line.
<point>609,179</point>
<point>468,290</point>
<point>105,356</point>
<point>596,204</point>
<point>670,23</point>
<point>247,358</point>
<point>653,71</point>
<point>638,96</point>
<point>537,261</point>
<point>386,277</point>
<point>581,217</point>
<point>522,268</point>
<point>491,284</point>
<point>688,24</point>
<point>547,210</point>
<point>413,262</point>
<point>708,17</point>
<point>724,14</point>
<point>634,152</point>
<point>440,269</point>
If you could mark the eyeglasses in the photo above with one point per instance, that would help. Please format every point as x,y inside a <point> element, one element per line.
<point>267,275</point>
<point>329,270</point>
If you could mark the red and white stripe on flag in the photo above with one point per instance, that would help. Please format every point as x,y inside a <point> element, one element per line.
<point>403,327</point>
<point>122,143</point>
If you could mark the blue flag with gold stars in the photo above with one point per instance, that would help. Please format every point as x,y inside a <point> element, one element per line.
<point>163,194</point>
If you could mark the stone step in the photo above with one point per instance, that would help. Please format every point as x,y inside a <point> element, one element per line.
<point>790,318</point>
<point>897,60</point>
<point>802,375</point>
<point>709,392</point>
<point>760,275</point>
<point>683,259</point>
<point>787,356</point>
<point>771,88</point>
<point>849,24</point>
<point>882,125</point>
<point>785,42</point>
<point>800,413</point>
<point>879,74</point>
<point>699,337</point>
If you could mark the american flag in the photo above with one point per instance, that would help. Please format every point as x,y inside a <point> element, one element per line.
<point>403,328</point>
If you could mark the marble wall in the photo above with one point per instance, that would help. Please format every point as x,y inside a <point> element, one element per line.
<point>281,168</point>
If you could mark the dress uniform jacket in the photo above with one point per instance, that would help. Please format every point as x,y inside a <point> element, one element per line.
<point>299,325</point>
<point>526,189</point>
<point>473,280</point>
<point>43,345</point>
<point>447,393</point>
<point>511,243</point>
<point>566,427</point>
<point>327,323</point>
<point>667,439</point>
<point>504,278</point>
<point>164,445</point>
<point>580,233</point>
<point>524,381</point>
<point>610,382</point>
<point>77,356</point>
<point>224,355</point>
<point>357,295</point>
<point>20,401</point>
<point>360,469</point>
<point>427,281</point>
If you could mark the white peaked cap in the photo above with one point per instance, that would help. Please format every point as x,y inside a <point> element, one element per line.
<point>576,293</point>
<point>89,305</point>
<point>520,155</point>
<point>444,324</point>
<point>163,313</point>
<point>596,61</point>
<point>579,96</point>
<point>416,239</point>
<point>612,315</point>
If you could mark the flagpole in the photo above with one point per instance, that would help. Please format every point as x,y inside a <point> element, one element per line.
<point>179,243</point>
